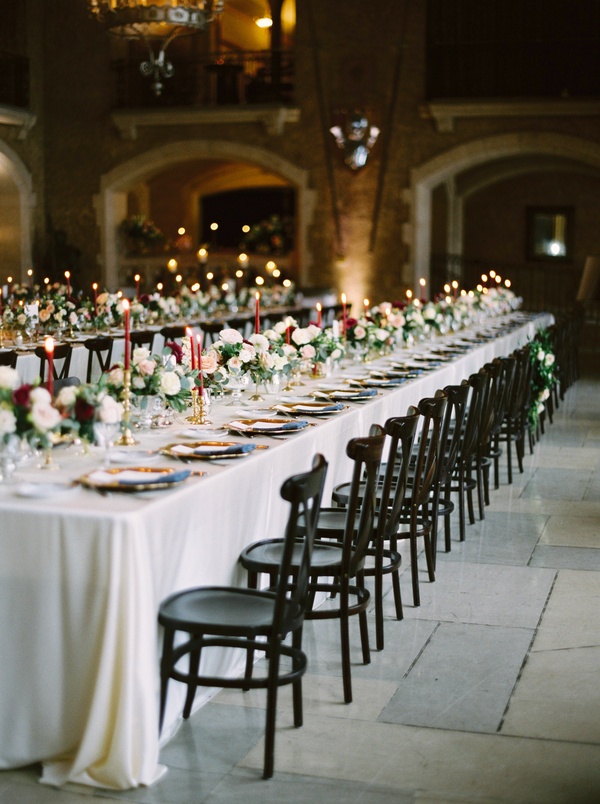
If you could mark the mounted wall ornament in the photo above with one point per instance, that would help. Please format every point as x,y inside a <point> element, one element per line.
<point>157,25</point>
<point>356,136</point>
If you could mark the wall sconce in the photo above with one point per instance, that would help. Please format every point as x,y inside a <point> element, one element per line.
<point>355,138</point>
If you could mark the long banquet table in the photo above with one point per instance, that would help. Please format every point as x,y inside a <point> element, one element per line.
<point>82,575</point>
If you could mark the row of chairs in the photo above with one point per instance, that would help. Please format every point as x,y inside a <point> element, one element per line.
<point>442,450</point>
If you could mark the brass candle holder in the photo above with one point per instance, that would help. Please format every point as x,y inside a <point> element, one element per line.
<point>198,407</point>
<point>126,439</point>
<point>1,333</point>
<point>48,464</point>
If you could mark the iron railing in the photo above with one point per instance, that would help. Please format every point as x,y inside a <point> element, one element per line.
<point>217,79</point>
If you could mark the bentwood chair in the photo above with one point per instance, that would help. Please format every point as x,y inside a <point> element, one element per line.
<point>338,558</point>
<point>514,423</point>
<point>61,362</point>
<point>9,358</point>
<point>250,619</point>
<point>391,491</point>
<point>174,333</point>
<point>141,338</point>
<point>100,353</point>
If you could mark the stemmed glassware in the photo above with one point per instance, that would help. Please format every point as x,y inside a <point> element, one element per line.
<point>105,434</point>
<point>237,383</point>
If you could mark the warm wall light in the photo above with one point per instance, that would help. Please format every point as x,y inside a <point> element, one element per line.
<point>156,25</point>
<point>263,22</point>
<point>355,137</point>
<point>259,280</point>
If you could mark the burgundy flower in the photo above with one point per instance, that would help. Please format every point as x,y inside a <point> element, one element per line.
<point>84,412</point>
<point>21,395</point>
<point>144,298</point>
<point>176,351</point>
<point>351,322</point>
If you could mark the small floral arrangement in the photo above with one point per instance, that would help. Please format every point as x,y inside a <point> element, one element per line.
<point>256,356</point>
<point>214,375</point>
<point>109,310</point>
<point>80,406</point>
<point>151,376</point>
<point>542,376</point>
<point>26,410</point>
<point>316,344</point>
<point>141,233</point>
<point>57,311</point>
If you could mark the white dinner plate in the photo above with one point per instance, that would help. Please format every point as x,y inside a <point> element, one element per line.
<point>45,490</point>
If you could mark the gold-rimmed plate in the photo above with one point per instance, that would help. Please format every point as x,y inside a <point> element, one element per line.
<point>209,450</point>
<point>254,427</point>
<point>309,408</point>
<point>134,478</point>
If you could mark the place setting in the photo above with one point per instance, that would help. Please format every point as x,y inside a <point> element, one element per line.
<point>134,479</point>
<point>345,394</point>
<point>209,450</point>
<point>309,408</point>
<point>273,428</point>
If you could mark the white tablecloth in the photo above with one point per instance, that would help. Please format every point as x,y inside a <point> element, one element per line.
<point>81,578</point>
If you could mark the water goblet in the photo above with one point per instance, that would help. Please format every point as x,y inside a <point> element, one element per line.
<point>105,434</point>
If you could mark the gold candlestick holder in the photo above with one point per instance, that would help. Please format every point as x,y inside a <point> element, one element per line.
<point>126,439</point>
<point>198,407</point>
<point>1,333</point>
<point>48,464</point>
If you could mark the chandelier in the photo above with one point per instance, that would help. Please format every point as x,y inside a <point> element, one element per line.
<point>156,23</point>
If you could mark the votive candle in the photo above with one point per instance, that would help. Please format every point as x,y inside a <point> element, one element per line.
<point>127,360</point>
<point>49,347</point>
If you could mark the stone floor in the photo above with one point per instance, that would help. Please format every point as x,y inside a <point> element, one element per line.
<point>489,692</point>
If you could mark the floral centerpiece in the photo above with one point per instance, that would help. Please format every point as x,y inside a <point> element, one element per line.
<point>141,235</point>
<point>151,376</point>
<point>316,345</point>
<point>26,411</point>
<point>214,375</point>
<point>80,406</point>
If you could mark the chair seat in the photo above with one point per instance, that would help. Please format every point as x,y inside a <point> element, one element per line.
<point>265,556</point>
<point>223,610</point>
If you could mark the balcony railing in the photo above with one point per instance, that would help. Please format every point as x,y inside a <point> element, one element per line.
<point>14,80</point>
<point>219,79</point>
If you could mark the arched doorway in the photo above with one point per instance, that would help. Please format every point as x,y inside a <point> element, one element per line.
<point>232,164</point>
<point>16,202</point>
<point>500,153</point>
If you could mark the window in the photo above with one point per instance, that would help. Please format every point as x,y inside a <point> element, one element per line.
<point>549,233</point>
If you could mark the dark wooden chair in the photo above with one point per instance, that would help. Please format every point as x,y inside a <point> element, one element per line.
<point>250,619</point>
<point>142,337</point>
<point>174,333</point>
<point>100,353</point>
<point>8,358</point>
<point>338,558</point>
<point>61,363</point>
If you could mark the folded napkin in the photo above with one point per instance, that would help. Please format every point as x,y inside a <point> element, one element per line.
<point>310,408</point>
<point>354,394</point>
<point>205,449</point>
<point>131,477</point>
<point>266,426</point>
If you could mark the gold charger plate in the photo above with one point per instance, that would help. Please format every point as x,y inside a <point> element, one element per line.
<point>206,456</point>
<point>88,481</point>
<point>316,408</point>
<point>250,428</point>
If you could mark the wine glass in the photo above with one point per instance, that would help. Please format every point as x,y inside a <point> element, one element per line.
<point>237,383</point>
<point>105,434</point>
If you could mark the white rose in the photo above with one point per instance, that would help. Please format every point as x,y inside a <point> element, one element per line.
<point>544,395</point>
<point>359,332</point>
<point>336,354</point>
<point>146,367</point>
<point>72,318</point>
<point>280,327</point>
<point>381,334</point>
<point>44,417</point>
<point>40,396</point>
<point>138,383</point>
<point>22,319</point>
<point>266,360</point>
<point>231,336</point>
<point>300,336</point>
<point>549,361</point>
<point>279,362</point>
<point>289,350</point>
<point>9,378</point>
<point>109,410</point>
<point>170,384</point>
<point>234,364</point>
<point>67,396</point>
<point>260,343</point>
<point>8,422</point>
<point>116,377</point>
<point>308,351</point>
<point>313,331</point>
<point>140,353</point>
<point>541,355</point>
<point>246,355</point>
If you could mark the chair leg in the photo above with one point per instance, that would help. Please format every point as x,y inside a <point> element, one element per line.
<point>165,673</point>
<point>379,639</point>
<point>345,647</point>
<point>297,685</point>
<point>447,530</point>
<point>461,503</point>
<point>414,567</point>
<point>429,554</point>
<point>194,664</point>
<point>364,628</point>
<point>272,689</point>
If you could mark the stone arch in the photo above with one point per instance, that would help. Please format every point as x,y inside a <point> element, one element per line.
<point>445,167</point>
<point>110,203</point>
<point>17,201</point>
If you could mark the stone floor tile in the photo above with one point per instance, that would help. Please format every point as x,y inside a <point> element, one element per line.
<point>577,558</point>
<point>557,484</point>
<point>572,531</point>
<point>558,697</point>
<point>462,680</point>
<point>572,615</point>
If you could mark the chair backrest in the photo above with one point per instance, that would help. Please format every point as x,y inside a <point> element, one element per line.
<point>401,431</point>
<point>100,348</point>
<point>519,389</point>
<point>174,333</point>
<point>141,337</point>
<point>473,417</point>
<point>432,410</point>
<point>452,429</point>
<point>304,493</point>
<point>8,358</point>
<point>61,363</point>
<point>66,382</point>
<point>362,498</point>
<point>503,386</point>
